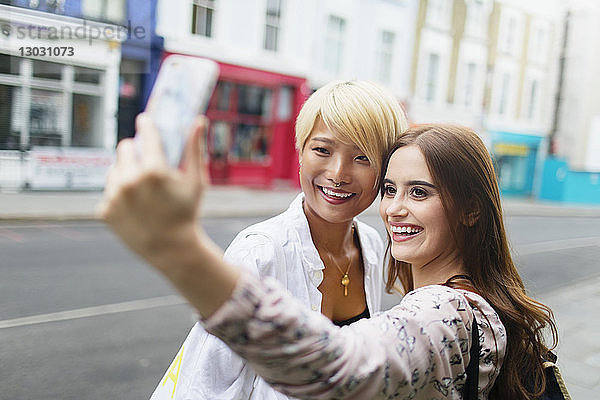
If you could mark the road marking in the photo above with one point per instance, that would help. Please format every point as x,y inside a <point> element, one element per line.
<point>11,235</point>
<point>135,305</point>
<point>555,245</point>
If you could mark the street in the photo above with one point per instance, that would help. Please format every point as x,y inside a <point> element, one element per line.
<point>82,318</point>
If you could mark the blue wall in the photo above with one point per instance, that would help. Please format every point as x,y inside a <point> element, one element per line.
<point>147,47</point>
<point>559,183</point>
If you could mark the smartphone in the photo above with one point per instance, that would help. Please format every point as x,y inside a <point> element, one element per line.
<point>181,92</point>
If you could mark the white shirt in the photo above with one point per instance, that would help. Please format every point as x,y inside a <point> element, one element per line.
<point>280,247</point>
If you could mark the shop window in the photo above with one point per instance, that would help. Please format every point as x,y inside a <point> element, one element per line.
<point>220,140</point>
<point>272,25</point>
<point>250,143</point>
<point>10,136</point>
<point>240,127</point>
<point>224,90</point>
<point>87,75</point>
<point>254,100</point>
<point>202,17</point>
<point>86,121</point>
<point>44,117</point>
<point>9,64</point>
<point>47,70</point>
<point>285,104</point>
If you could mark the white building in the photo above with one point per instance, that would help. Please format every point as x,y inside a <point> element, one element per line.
<point>523,61</point>
<point>59,90</point>
<point>578,134</point>
<point>450,61</point>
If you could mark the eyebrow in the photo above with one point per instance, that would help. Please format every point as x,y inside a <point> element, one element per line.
<point>330,142</point>
<point>412,183</point>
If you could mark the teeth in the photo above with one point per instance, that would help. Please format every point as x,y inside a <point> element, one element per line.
<point>405,229</point>
<point>335,194</point>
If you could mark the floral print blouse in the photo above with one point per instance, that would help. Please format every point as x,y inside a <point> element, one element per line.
<point>417,350</point>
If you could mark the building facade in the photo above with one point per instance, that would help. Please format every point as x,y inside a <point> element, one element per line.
<point>572,170</point>
<point>273,54</point>
<point>59,76</point>
<point>490,65</point>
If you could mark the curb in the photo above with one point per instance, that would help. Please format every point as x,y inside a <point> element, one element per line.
<point>229,201</point>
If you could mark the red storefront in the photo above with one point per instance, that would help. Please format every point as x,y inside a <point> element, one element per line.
<point>251,134</point>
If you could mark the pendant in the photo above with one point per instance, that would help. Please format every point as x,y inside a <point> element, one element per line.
<point>345,283</point>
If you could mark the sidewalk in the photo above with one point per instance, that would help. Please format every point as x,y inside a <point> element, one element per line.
<point>579,350</point>
<point>226,201</point>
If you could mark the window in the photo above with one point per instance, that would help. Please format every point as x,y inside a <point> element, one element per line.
<point>56,97</point>
<point>538,44</point>
<point>533,95</point>
<point>47,70</point>
<point>504,92</point>
<point>53,6</point>
<point>475,18</point>
<point>202,17</point>
<point>9,64</point>
<point>10,136</point>
<point>285,103</point>
<point>432,76</point>
<point>86,121</point>
<point>241,116</point>
<point>334,43</point>
<point>385,56</point>
<point>223,101</point>
<point>87,75</point>
<point>254,100</point>
<point>272,27</point>
<point>104,10</point>
<point>44,115</point>
<point>470,83</point>
<point>438,13</point>
<point>508,43</point>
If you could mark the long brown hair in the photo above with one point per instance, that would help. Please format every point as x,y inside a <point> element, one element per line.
<point>463,170</point>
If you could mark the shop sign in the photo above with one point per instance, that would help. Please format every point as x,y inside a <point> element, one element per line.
<point>511,149</point>
<point>68,168</point>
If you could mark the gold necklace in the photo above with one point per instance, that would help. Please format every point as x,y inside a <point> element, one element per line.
<point>345,281</point>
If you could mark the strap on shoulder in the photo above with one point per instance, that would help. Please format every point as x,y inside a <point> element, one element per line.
<point>471,385</point>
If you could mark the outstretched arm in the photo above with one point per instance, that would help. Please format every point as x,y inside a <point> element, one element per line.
<point>154,209</point>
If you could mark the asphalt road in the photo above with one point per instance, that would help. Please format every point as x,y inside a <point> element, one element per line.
<point>82,318</point>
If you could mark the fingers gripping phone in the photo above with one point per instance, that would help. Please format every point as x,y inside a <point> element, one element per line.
<point>181,92</point>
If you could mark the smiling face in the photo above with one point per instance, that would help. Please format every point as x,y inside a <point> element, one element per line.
<point>327,161</point>
<point>412,211</point>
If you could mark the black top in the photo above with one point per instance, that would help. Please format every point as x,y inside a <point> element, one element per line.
<point>364,314</point>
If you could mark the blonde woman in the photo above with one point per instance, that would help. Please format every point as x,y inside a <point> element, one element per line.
<point>317,248</point>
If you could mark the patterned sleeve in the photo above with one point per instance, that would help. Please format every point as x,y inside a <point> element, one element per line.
<point>420,346</point>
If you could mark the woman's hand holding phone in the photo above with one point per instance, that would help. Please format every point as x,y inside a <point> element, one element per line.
<point>153,207</point>
<point>149,203</point>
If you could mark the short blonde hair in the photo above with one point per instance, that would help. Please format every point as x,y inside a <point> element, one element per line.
<point>359,112</point>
